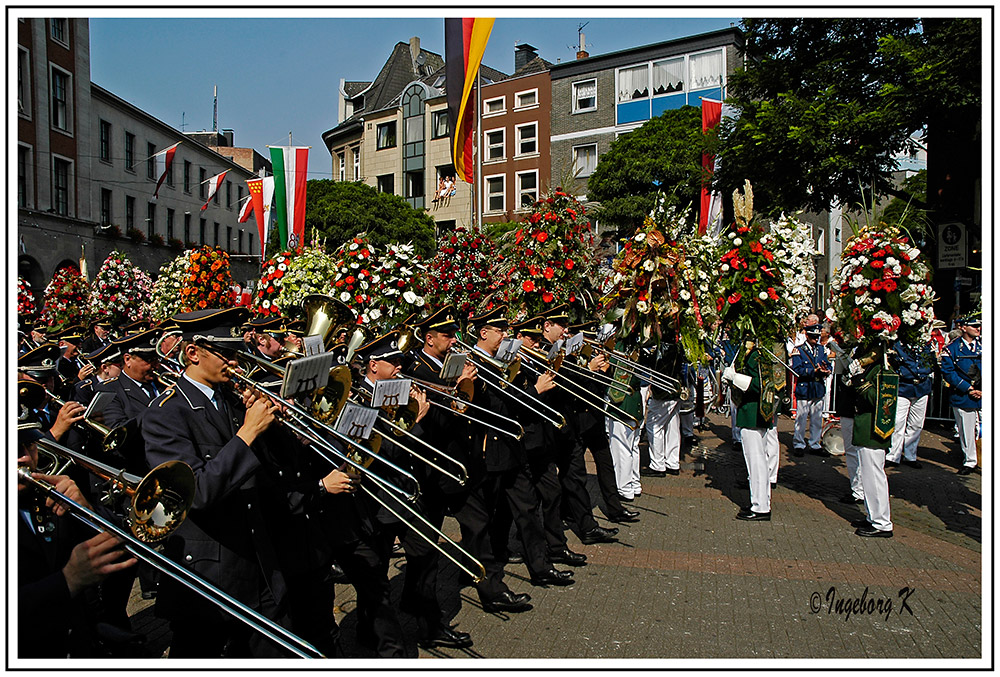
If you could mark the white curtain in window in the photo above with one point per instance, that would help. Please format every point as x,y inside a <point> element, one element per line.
<point>633,83</point>
<point>585,161</point>
<point>414,129</point>
<point>586,92</point>
<point>668,76</point>
<point>706,70</point>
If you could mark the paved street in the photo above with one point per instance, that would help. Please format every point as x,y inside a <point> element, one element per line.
<point>690,581</point>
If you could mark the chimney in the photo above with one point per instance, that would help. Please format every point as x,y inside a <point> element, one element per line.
<point>522,55</point>
<point>229,134</point>
<point>414,50</point>
<point>582,52</point>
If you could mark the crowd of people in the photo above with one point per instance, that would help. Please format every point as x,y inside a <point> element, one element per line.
<point>280,514</point>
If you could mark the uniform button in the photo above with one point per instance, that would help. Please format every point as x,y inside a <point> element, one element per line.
<point>208,456</point>
<point>251,531</point>
<point>280,474</point>
<point>188,558</point>
<point>248,506</point>
<point>298,474</point>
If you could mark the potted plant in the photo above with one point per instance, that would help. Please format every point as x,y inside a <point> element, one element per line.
<point>136,235</point>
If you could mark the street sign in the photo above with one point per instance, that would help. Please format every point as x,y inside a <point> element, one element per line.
<point>952,247</point>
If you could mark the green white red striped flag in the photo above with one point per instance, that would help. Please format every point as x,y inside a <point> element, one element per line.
<point>290,164</point>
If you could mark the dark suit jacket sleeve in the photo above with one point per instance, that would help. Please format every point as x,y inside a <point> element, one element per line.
<point>178,433</point>
<point>114,412</point>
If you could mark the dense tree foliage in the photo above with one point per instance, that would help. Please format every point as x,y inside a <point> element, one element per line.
<point>662,156</point>
<point>825,104</point>
<point>338,210</point>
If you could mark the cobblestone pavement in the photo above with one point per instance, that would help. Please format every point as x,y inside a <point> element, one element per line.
<point>690,581</point>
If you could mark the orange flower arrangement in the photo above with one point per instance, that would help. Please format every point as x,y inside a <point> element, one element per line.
<point>207,281</point>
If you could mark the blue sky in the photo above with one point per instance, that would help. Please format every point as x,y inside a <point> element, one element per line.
<point>278,75</point>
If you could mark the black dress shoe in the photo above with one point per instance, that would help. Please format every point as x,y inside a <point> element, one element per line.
<point>798,451</point>
<point>624,499</point>
<point>599,535</point>
<point>691,441</point>
<point>861,524</point>
<point>508,601</point>
<point>553,577</point>
<point>567,556</point>
<point>673,471</point>
<point>626,515</point>
<point>965,470</point>
<point>774,485</point>
<point>738,447</point>
<point>749,515</point>
<point>445,636</point>
<point>515,558</point>
<point>819,452</point>
<point>849,498</point>
<point>872,532</point>
<point>649,472</point>
<point>916,465</point>
<point>891,464</point>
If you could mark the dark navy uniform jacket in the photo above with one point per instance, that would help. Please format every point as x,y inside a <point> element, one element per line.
<point>915,365</point>
<point>960,364</point>
<point>130,402</point>
<point>810,384</point>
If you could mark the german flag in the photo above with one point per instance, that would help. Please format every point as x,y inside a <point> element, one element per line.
<point>464,44</point>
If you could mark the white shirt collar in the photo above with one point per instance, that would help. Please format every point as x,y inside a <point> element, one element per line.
<point>206,391</point>
<point>432,358</point>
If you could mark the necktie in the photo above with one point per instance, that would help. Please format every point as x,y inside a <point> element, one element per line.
<point>149,389</point>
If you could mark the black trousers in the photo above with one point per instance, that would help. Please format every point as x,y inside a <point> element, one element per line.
<point>576,507</point>
<point>366,563</point>
<point>474,521</point>
<point>423,562</point>
<point>512,498</point>
<point>596,439</point>
<point>544,479</point>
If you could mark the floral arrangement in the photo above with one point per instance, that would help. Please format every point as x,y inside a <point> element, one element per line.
<point>461,274</point>
<point>794,251</point>
<point>353,281</point>
<point>26,307</point>
<point>121,292</point>
<point>882,291</point>
<point>165,298</point>
<point>66,299</point>
<point>265,299</point>
<point>399,283</point>
<point>309,272</point>
<point>699,289</point>
<point>753,301</point>
<point>209,281</point>
<point>549,261</point>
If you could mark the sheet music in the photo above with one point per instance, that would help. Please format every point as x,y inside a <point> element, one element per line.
<point>574,343</point>
<point>554,351</point>
<point>391,392</point>
<point>312,345</point>
<point>508,350</point>
<point>306,374</point>
<point>356,421</point>
<point>454,363</point>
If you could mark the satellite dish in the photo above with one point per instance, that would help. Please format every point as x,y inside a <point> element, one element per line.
<point>421,59</point>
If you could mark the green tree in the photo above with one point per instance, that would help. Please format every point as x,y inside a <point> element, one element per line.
<point>337,210</point>
<point>825,105</point>
<point>664,155</point>
<point>904,210</point>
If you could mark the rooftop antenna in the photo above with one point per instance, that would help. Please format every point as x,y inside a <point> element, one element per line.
<point>183,124</point>
<point>215,108</point>
<point>583,40</point>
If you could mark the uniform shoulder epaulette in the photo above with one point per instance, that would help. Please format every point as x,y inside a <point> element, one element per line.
<point>166,395</point>
<point>111,380</point>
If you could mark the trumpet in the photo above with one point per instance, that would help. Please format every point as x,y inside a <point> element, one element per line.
<point>33,395</point>
<point>141,550</point>
<point>159,501</point>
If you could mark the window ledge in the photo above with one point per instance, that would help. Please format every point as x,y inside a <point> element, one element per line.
<point>495,114</point>
<point>585,110</point>
<point>495,161</point>
<point>61,131</point>
<point>523,108</point>
<point>528,156</point>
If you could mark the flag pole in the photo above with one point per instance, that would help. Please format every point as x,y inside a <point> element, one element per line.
<point>478,167</point>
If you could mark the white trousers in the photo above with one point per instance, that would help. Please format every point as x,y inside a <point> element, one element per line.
<point>772,451</point>
<point>808,413</point>
<point>758,450</point>
<point>625,456</point>
<point>664,425</point>
<point>876,487</point>
<point>968,421</point>
<point>909,424</point>
<point>851,457</point>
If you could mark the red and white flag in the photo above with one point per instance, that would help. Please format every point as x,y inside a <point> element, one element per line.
<point>213,187</point>
<point>163,160</point>
<point>245,210</point>
<point>261,195</point>
<point>712,112</point>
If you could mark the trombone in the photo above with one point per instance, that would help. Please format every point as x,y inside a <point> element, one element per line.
<point>501,381</point>
<point>451,393</point>
<point>627,363</point>
<point>153,557</point>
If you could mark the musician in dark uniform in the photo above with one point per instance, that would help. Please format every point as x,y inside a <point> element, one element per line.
<point>812,366</point>
<point>962,368</point>
<point>136,386</point>
<point>267,336</point>
<point>226,538</point>
<point>71,369</point>
<point>915,364</point>
<point>456,436</point>
<point>540,449</point>
<point>107,361</point>
<point>569,451</point>
<point>59,561</point>
<point>507,488</point>
<point>39,365</point>
<point>98,337</point>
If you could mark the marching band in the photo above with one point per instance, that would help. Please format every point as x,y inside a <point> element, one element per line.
<point>487,420</point>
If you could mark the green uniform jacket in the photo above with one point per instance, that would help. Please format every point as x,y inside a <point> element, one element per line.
<point>748,402</point>
<point>631,404</point>
<point>867,402</point>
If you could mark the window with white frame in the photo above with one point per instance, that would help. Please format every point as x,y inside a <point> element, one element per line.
<point>584,96</point>
<point>23,82</point>
<point>385,135</point>
<point>495,144</point>
<point>706,69</point>
<point>494,193</point>
<point>526,99</point>
<point>527,139</point>
<point>62,105</point>
<point>495,106</point>
<point>342,161</point>
<point>357,163</point>
<point>62,171</point>
<point>584,159</point>
<point>527,189</point>
<point>633,83</point>
<point>668,76</point>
